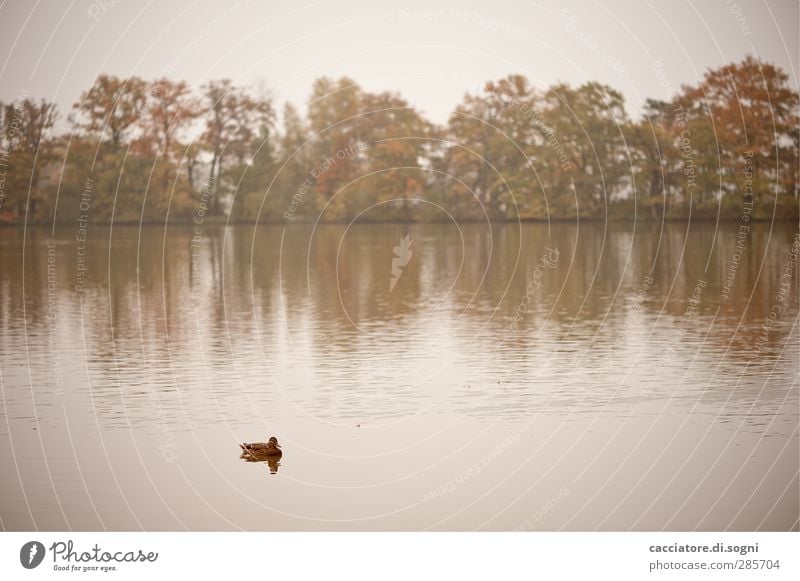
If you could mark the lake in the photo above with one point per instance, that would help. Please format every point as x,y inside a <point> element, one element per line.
<point>418,377</point>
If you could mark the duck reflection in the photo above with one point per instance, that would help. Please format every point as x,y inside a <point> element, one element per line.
<point>272,462</point>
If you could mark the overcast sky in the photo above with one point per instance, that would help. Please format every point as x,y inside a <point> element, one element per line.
<point>431,51</point>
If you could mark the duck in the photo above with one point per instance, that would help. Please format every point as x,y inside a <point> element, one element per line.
<point>258,449</point>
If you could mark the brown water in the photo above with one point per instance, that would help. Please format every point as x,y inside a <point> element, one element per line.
<point>606,383</point>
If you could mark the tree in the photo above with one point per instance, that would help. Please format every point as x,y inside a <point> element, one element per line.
<point>742,117</point>
<point>492,136</point>
<point>289,194</point>
<point>233,121</point>
<point>112,107</point>
<point>654,156</point>
<point>256,164</point>
<point>585,133</point>
<point>726,147</point>
<point>27,149</point>
<point>335,124</point>
<point>171,108</point>
<point>394,139</point>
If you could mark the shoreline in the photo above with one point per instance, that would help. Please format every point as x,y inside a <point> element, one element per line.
<point>223,222</point>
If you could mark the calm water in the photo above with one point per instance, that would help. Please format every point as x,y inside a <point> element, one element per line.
<point>527,377</point>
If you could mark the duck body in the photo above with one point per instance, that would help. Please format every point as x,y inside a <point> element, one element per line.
<point>261,449</point>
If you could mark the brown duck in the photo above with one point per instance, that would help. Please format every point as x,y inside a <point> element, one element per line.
<point>262,449</point>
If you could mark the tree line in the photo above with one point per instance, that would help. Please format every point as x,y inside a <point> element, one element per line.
<point>153,151</point>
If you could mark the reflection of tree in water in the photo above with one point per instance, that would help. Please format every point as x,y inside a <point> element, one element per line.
<point>602,267</point>
<point>266,293</point>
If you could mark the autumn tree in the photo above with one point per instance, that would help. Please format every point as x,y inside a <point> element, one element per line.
<point>584,137</point>
<point>234,121</point>
<point>743,117</point>
<point>336,128</point>
<point>171,109</point>
<point>520,153</point>
<point>288,187</point>
<point>256,158</point>
<point>111,108</point>
<point>395,143</point>
<point>473,160</point>
<point>654,153</point>
<point>720,147</point>
<point>486,154</point>
<point>26,148</point>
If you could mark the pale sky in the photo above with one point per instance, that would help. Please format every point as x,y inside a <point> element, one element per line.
<point>430,51</point>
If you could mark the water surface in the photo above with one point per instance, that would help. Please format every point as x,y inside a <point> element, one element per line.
<point>534,377</point>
